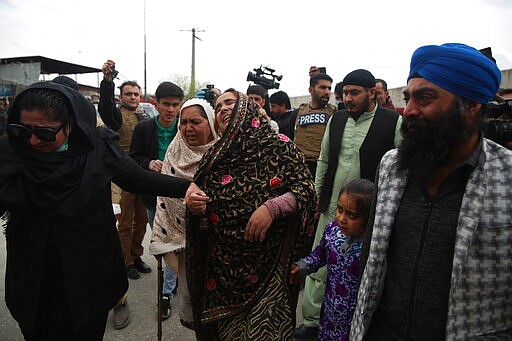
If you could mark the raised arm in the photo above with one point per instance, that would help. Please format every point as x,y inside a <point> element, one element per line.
<point>107,108</point>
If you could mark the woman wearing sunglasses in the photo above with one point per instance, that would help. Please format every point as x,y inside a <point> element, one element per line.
<point>65,269</point>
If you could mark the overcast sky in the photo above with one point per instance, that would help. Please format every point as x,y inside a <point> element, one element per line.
<point>238,36</point>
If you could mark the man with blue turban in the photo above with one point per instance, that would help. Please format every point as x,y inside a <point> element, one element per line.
<point>439,262</point>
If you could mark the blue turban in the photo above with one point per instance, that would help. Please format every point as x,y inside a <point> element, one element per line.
<point>458,68</point>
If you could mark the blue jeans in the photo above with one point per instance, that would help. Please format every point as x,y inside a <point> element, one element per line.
<point>169,281</point>
<point>169,275</point>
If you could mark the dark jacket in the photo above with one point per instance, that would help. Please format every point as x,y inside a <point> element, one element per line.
<point>109,113</point>
<point>91,261</point>
<point>144,148</point>
<point>286,123</point>
<point>62,233</point>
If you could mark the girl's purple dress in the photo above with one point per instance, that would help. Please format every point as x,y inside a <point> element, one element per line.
<point>341,255</point>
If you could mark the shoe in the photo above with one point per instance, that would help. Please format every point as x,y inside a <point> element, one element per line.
<point>141,266</point>
<point>121,315</point>
<point>166,307</point>
<point>132,272</point>
<point>305,332</point>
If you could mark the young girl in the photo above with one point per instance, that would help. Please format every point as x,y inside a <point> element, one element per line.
<point>340,248</point>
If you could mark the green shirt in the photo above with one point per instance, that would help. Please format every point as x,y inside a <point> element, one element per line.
<point>165,136</point>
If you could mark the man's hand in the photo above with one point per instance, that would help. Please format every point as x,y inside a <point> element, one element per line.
<point>155,166</point>
<point>107,68</point>
<point>258,224</point>
<point>313,71</point>
<point>196,199</point>
<point>264,114</point>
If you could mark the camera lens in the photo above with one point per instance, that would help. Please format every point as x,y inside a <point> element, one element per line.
<point>499,131</point>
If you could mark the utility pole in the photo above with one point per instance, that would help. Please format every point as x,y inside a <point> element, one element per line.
<point>145,79</point>
<point>192,89</point>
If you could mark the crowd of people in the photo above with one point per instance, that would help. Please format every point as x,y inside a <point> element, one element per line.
<point>397,225</point>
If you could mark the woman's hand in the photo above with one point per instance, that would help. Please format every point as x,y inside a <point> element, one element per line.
<point>196,199</point>
<point>258,224</point>
<point>156,166</point>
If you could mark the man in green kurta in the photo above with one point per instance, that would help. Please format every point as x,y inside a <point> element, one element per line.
<point>356,138</point>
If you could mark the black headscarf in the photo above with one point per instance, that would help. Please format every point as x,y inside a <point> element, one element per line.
<point>58,183</point>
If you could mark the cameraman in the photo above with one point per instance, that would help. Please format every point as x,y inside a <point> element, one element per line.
<point>259,95</point>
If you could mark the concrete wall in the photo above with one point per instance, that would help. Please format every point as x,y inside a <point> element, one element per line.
<point>24,74</point>
<point>506,79</point>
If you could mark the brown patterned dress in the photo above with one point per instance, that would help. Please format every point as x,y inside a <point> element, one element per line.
<point>240,289</point>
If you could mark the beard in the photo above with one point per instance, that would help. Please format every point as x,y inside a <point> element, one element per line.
<point>365,107</point>
<point>429,143</point>
<point>321,102</point>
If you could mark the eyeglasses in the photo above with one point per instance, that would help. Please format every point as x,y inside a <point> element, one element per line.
<point>43,133</point>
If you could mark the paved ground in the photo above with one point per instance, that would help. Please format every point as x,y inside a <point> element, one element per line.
<point>142,300</point>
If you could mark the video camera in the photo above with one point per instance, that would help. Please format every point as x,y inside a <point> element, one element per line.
<point>498,125</point>
<point>208,94</point>
<point>258,77</point>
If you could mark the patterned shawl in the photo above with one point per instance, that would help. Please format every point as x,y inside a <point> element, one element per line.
<point>247,166</point>
<point>181,160</point>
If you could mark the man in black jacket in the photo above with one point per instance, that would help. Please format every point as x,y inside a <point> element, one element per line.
<point>150,140</point>
<point>281,112</point>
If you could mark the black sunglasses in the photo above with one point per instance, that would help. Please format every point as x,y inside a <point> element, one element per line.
<point>43,133</point>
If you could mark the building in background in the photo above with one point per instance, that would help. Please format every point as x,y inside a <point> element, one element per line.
<point>18,72</point>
